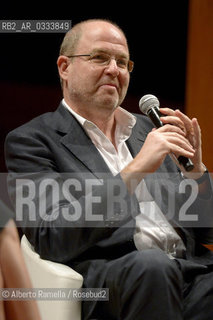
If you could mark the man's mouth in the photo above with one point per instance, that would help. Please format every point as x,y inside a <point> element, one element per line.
<point>112,85</point>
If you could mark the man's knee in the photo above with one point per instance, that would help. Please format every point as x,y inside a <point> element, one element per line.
<point>140,280</point>
<point>154,283</point>
<point>153,265</point>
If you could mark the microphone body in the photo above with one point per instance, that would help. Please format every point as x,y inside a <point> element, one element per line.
<point>149,105</point>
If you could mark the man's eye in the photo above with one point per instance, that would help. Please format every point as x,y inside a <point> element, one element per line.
<point>122,63</point>
<point>99,58</point>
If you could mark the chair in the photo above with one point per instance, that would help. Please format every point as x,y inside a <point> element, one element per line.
<point>48,274</point>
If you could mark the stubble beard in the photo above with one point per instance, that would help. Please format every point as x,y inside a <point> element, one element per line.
<point>94,102</point>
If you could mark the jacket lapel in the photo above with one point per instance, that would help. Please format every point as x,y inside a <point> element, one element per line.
<point>136,140</point>
<point>76,140</point>
<point>78,143</point>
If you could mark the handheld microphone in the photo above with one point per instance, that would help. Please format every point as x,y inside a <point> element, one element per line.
<point>149,105</point>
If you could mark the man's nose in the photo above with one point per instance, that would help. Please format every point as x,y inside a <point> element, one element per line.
<point>112,67</point>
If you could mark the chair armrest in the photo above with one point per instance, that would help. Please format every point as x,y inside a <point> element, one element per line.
<point>49,274</point>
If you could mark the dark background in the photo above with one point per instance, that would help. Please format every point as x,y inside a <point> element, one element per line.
<point>29,84</point>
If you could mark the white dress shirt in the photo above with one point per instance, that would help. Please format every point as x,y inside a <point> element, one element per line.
<point>152,228</point>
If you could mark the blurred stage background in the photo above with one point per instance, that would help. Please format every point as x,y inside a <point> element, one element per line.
<point>164,43</point>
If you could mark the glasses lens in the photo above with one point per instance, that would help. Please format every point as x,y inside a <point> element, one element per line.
<point>100,58</point>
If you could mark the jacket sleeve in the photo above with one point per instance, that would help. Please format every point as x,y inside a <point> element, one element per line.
<point>182,202</point>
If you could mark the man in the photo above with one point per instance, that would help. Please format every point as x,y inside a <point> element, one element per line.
<point>113,220</point>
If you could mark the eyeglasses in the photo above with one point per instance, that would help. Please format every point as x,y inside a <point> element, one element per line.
<point>104,59</point>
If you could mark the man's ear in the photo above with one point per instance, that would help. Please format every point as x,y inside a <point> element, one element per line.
<point>63,63</point>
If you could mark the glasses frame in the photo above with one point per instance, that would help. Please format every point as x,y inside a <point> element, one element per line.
<point>130,64</point>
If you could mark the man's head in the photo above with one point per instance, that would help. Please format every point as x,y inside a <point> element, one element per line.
<point>98,74</point>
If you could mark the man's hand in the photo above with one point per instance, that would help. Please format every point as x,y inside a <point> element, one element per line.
<point>172,138</point>
<point>192,132</point>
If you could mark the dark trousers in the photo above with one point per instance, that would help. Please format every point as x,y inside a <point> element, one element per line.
<point>147,285</point>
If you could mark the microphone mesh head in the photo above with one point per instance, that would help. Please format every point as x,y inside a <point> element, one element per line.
<point>147,102</point>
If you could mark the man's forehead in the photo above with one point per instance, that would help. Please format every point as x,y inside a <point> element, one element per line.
<point>103,32</point>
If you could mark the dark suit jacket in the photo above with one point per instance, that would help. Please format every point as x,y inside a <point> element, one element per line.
<point>55,145</point>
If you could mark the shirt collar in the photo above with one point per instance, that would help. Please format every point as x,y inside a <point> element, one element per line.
<point>76,115</point>
<point>125,121</point>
